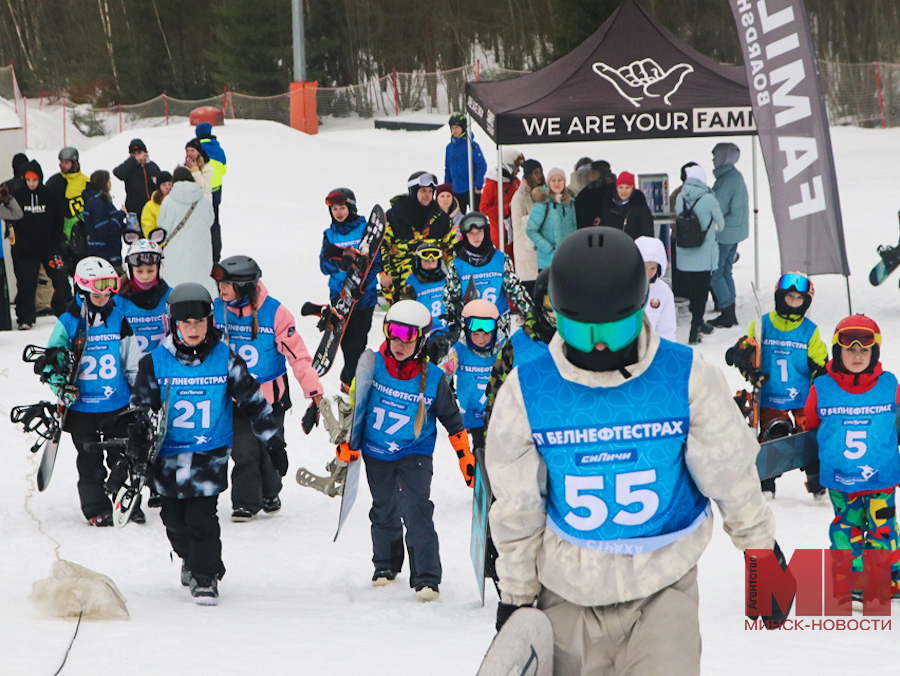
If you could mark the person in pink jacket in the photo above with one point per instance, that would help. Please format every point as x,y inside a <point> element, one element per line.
<point>263,332</point>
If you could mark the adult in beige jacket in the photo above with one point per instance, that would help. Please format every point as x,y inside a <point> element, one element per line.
<point>618,612</point>
<point>524,251</point>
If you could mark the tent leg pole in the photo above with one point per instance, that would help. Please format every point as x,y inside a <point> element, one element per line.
<point>849,302</point>
<point>471,169</point>
<point>500,229</point>
<point>755,217</point>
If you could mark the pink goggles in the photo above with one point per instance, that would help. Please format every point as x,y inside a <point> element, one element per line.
<point>100,285</point>
<point>401,332</point>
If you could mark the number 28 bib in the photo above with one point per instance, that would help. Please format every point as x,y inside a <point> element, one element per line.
<point>615,456</point>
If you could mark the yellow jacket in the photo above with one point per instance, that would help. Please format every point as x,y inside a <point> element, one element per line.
<point>149,215</point>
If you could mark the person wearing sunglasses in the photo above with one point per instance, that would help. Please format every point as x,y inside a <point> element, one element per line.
<point>262,331</point>
<point>201,382</point>
<point>604,456</point>
<point>854,412</point>
<point>425,283</point>
<point>413,217</point>
<point>106,373</point>
<point>406,397</point>
<point>490,271</point>
<point>792,355</point>
<point>337,256</point>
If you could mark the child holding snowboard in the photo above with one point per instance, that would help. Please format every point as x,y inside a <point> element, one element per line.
<point>402,396</point>
<point>792,354</point>
<point>854,409</point>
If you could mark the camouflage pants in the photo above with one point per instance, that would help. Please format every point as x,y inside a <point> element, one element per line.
<point>866,522</point>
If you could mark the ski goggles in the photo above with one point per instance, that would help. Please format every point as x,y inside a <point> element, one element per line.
<point>143,258</point>
<point>102,285</point>
<point>474,223</point>
<point>429,254</point>
<point>615,335</point>
<point>426,180</point>
<point>794,281</point>
<point>220,274</point>
<point>402,332</point>
<point>190,309</point>
<point>856,335</point>
<point>336,198</point>
<point>485,324</point>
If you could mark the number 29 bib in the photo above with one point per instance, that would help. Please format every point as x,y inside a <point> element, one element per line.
<point>615,455</point>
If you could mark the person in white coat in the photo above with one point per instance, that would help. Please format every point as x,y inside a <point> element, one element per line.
<point>660,308</point>
<point>187,216</point>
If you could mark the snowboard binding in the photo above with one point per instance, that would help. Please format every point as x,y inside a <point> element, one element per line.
<point>338,427</point>
<point>40,418</point>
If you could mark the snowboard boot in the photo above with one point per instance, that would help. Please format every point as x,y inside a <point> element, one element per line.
<point>271,505</point>
<point>185,574</point>
<point>384,577</point>
<point>427,592</point>
<point>154,501</point>
<point>706,328</point>
<point>768,488</point>
<point>204,590</point>
<point>241,515</point>
<point>137,516</point>
<point>819,492</point>
<point>725,320</point>
<point>102,520</point>
<point>694,338</point>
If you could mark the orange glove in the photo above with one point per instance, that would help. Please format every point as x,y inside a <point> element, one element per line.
<point>460,443</point>
<point>345,454</point>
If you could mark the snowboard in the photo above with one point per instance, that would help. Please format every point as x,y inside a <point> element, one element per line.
<point>890,259</point>
<point>333,318</point>
<point>782,455</point>
<point>748,402</point>
<point>481,504</point>
<point>523,647</point>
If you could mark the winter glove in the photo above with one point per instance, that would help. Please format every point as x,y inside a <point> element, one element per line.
<point>505,611</point>
<point>437,348</point>
<point>741,355</point>
<point>756,377</point>
<point>348,258</point>
<point>345,454</point>
<point>460,443</point>
<point>777,618</point>
<point>276,449</point>
<point>310,418</point>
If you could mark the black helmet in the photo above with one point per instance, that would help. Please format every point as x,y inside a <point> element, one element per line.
<point>342,196</point>
<point>242,271</point>
<point>189,301</point>
<point>546,320</point>
<point>420,179</point>
<point>458,119</point>
<point>597,276</point>
<point>474,220</point>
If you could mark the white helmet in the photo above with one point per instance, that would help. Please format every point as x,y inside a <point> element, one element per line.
<point>96,275</point>
<point>412,315</point>
<point>144,252</point>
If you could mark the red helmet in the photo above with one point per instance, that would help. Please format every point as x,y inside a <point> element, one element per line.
<point>856,329</point>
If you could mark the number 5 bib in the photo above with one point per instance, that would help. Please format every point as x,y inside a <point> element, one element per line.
<point>615,455</point>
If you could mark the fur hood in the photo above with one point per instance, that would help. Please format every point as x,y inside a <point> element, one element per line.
<point>541,194</point>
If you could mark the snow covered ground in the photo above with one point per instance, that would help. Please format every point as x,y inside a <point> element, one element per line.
<point>293,601</point>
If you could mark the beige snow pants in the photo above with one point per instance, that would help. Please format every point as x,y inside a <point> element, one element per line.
<point>656,635</point>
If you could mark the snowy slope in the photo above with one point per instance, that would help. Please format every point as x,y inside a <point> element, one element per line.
<point>294,602</point>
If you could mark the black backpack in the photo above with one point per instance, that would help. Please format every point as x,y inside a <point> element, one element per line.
<point>689,232</point>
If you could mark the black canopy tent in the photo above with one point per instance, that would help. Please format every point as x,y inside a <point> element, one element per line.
<point>632,79</point>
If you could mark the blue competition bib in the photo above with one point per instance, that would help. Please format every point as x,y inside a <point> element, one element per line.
<point>615,455</point>
<point>199,405</point>
<point>149,326</point>
<point>431,295</point>
<point>857,437</point>
<point>264,361</point>
<point>525,349</point>
<point>101,384</point>
<point>472,377</point>
<point>488,279</point>
<point>391,414</point>
<point>784,358</point>
<point>343,240</point>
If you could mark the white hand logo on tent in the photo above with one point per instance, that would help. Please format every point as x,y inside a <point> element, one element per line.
<point>644,77</point>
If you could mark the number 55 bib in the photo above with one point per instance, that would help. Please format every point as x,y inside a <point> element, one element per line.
<point>615,455</point>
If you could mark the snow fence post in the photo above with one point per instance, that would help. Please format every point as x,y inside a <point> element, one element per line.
<point>166,103</point>
<point>120,118</point>
<point>880,99</point>
<point>396,98</point>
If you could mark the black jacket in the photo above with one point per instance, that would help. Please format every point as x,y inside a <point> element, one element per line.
<point>140,182</point>
<point>39,232</point>
<point>590,202</point>
<point>407,216</point>
<point>634,217</point>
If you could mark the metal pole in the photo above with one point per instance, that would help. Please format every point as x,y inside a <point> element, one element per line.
<point>299,41</point>
<point>849,302</point>
<point>755,218</point>
<point>500,228</point>
<point>471,168</point>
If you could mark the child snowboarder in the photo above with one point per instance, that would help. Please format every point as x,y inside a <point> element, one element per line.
<point>337,256</point>
<point>853,410</point>
<point>263,332</point>
<point>792,354</point>
<point>196,376</point>
<point>407,395</point>
<point>426,283</point>
<point>660,308</point>
<point>106,372</point>
<point>142,297</point>
<point>473,358</point>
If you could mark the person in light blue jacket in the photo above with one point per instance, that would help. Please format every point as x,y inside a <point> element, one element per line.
<point>698,263</point>
<point>552,218</point>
